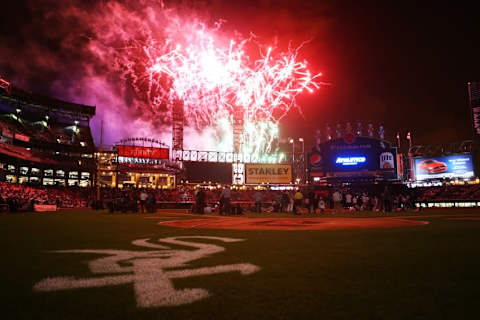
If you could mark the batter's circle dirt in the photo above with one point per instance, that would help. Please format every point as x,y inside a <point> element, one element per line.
<point>242,223</point>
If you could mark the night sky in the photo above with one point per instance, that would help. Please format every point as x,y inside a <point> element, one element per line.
<point>400,64</point>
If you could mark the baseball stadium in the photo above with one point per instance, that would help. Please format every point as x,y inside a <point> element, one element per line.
<point>173,168</point>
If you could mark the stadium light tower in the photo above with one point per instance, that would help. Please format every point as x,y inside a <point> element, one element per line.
<point>302,161</point>
<point>292,141</point>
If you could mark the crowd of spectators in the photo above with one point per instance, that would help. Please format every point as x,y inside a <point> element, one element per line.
<point>18,197</point>
<point>359,198</point>
<point>207,200</point>
<point>451,192</point>
<point>386,199</point>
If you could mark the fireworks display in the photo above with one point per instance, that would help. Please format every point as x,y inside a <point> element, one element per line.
<point>137,59</point>
<point>212,81</point>
<point>213,75</point>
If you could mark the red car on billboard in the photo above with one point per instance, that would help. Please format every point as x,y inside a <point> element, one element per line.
<point>432,166</point>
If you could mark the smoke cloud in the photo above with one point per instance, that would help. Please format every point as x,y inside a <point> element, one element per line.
<point>75,50</point>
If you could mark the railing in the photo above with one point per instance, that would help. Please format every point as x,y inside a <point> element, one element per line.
<point>448,204</point>
<point>229,157</point>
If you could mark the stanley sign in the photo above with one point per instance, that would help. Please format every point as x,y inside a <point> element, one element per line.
<point>268,173</point>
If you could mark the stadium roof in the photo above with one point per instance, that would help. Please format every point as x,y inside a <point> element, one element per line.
<point>13,93</point>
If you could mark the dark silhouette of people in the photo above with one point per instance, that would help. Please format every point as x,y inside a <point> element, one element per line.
<point>200,201</point>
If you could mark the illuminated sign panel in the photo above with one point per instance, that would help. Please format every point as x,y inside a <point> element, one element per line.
<point>474,97</point>
<point>268,173</point>
<point>454,166</point>
<point>350,161</point>
<point>143,152</point>
<point>358,157</point>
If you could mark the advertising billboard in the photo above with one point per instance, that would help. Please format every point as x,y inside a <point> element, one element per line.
<point>315,163</point>
<point>142,152</point>
<point>357,156</point>
<point>268,173</point>
<point>22,137</point>
<point>453,166</point>
<point>474,101</point>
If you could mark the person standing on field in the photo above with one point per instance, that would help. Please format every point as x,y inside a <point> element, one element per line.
<point>284,201</point>
<point>258,201</point>
<point>298,201</point>
<point>348,200</point>
<point>225,200</point>
<point>143,201</point>
<point>321,204</point>
<point>200,201</point>
<point>337,200</point>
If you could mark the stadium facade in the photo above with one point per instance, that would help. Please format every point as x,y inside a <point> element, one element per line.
<point>137,162</point>
<point>44,141</point>
<point>351,154</point>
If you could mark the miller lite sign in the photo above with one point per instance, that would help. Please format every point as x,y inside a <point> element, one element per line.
<point>387,160</point>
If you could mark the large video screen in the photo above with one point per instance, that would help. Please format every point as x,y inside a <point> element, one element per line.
<point>200,172</point>
<point>454,166</point>
<point>360,156</point>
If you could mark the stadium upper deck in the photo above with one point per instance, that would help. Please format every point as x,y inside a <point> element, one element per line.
<point>43,140</point>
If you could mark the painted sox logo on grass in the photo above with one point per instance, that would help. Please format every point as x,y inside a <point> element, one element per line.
<point>151,272</point>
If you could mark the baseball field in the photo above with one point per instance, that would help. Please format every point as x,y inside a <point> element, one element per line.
<point>83,264</point>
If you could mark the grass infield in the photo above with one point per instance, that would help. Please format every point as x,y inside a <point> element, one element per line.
<point>417,272</point>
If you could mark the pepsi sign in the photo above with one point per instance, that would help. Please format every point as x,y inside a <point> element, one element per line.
<point>315,159</point>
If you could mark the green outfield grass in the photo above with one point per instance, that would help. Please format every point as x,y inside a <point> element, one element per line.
<point>420,272</point>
